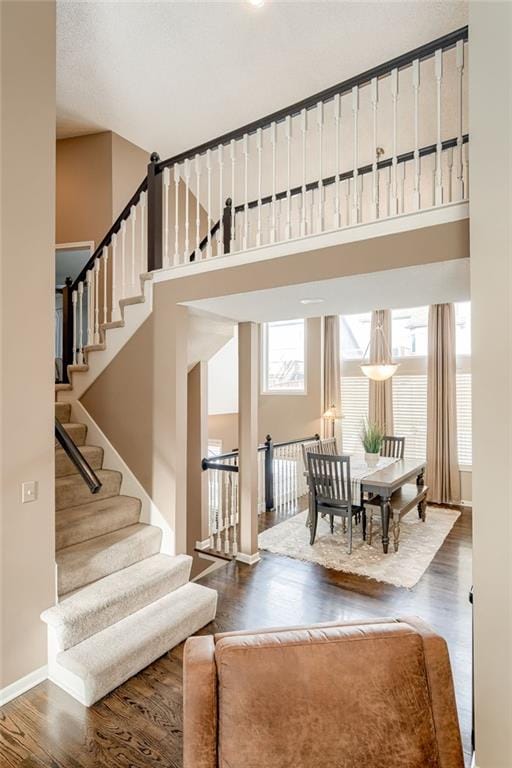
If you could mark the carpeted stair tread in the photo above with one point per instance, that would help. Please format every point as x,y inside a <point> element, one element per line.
<point>63,412</point>
<point>86,521</point>
<point>105,660</point>
<point>64,466</point>
<point>97,606</point>
<point>71,490</point>
<point>77,432</point>
<point>90,560</point>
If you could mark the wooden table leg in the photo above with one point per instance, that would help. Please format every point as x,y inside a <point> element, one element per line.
<point>396,531</point>
<point>385,509</point>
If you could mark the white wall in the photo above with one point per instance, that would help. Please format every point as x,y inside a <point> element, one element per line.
<point>223,379</point>
<point>491,289</point>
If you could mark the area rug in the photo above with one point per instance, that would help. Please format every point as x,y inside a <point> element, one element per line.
<point>419,542</point>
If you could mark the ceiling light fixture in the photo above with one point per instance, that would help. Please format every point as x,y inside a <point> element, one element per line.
<point>312,301</point>
<point>379,370</point>
<point>256,3</point>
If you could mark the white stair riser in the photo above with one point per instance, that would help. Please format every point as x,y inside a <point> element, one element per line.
<point>71,574</point>
<point>133,643</point>
<point>72,491</point>
<point>114,604</point>
<point>73,529</point>
<point>64,466</point>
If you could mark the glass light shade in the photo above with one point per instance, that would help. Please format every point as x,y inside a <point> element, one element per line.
<point>379,371</point>
<point>330,414</point>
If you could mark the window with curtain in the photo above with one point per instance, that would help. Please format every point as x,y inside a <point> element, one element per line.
<point>283,357</point>
<point>409,343</point>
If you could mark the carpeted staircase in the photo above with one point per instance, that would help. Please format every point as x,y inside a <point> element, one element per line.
<point>122,603</point>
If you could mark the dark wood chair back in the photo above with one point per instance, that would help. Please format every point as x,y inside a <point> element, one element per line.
<point>328,446</point>
<point>311,446</point>
<point>393,447</point>
<point>329,478</point>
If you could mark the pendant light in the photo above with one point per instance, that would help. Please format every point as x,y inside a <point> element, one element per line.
<point>383,369</point>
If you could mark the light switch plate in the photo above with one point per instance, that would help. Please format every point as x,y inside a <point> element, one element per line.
<point>28,491</point>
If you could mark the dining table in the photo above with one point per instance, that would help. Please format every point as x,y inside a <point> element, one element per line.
<point>383,481</point>
<point>380,482</point>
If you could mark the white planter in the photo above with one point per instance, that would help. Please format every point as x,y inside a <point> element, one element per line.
<point>372,459</point>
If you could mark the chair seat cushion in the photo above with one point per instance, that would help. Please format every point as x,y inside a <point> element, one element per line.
<point>305,698</point>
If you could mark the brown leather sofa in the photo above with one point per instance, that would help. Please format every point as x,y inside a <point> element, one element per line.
<point>376,694</point>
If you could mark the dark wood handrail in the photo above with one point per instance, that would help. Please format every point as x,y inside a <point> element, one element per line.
<point>80,462</point>
<point>116,226</point>
<point>399,62</point>
<point>405,157</point>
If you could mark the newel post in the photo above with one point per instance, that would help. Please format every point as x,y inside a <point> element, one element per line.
<point>226,225</point>
<point>67,328</point>
<point>155,214</point>
<point>269,473</point>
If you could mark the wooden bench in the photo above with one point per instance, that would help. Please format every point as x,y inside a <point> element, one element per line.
<point>401,502</point>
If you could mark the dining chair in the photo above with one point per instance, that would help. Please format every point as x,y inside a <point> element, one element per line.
<point>328,446</point>
<point>310,446</point>
<point>331,493</point>
<point>393,447</point>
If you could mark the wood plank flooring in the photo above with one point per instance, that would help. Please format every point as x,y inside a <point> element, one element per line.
<point>140,723</point>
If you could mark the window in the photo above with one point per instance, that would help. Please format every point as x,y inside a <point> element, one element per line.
<point>283,352</point>
<point>410,348</point>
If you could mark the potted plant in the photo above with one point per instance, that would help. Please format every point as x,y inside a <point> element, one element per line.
<point>372,440</point>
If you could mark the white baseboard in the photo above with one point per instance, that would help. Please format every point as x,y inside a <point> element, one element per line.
<point>248,559</point>
<point>22,685</point>
<point>205,544</point>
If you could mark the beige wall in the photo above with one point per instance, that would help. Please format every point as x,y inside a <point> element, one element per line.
<point>27,167</point>
<point>224,427</point>
<point>96,176</point>
<point>491,294</point>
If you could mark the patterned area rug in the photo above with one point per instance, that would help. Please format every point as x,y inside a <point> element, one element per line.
<point>419,542</point>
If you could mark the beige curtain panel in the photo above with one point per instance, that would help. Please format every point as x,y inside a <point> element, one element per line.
<point>380,406</point>
<point>332,363</point>
<point>442,450</point>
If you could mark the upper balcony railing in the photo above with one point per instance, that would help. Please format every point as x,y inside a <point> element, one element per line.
<point>392,140</point>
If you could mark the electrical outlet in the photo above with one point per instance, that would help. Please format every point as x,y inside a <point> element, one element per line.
<point>28,491</point>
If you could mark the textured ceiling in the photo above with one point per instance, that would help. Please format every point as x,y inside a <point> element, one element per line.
<point>169,75</point>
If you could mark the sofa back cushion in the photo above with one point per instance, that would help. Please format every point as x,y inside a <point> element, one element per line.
<point>331,697</point>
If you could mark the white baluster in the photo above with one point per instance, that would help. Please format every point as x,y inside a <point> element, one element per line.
<point>176,214</point>
<point>143,238</point>
<point>355,172</point>
<point>288,124</point>
<point>416,195</point>
<point>259,149</point>
<point>105,284</point>
<point>123,260</point>
<point>459,61</point>
<point>375,170</point>
<point>394,160</point>
<point>133,238</point>
<point>465,160</point>
<point>246,191</point>
<point>337,155</point>
<point>116,312</point>
<point>209,202</point>
<point>80,323</point>
<point>321,190</point>
<point>438,190</point>
<point>401,174</point>
<point>187,206</point>
<point>97,264</point>
<point>89,277</point>
<point>304,128</point>
<point>197,167</point>
<point>449,154</point>
<point>167,258</point>
<point>220,239</point>
<point>273,139</point>
<point>233,197</point>
<point>74,299</point>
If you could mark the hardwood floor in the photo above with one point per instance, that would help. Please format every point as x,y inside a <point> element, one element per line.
<point>139,724</point>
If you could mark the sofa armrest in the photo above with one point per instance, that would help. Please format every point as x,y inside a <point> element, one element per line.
<point>199,703</point>
<point>440,681</point>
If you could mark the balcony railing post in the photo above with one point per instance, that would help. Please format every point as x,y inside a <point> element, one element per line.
<point>67,328</point>
<point>269,474</point>
<point>155,214</point>
<point>226,225</point>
